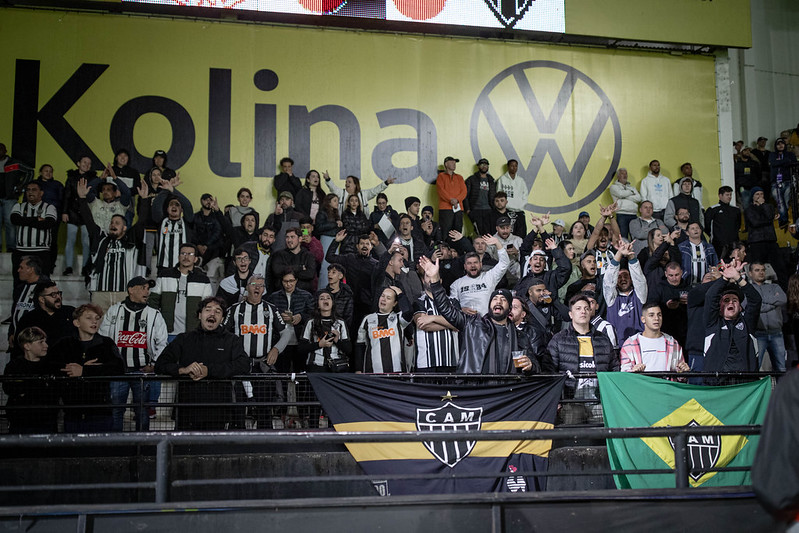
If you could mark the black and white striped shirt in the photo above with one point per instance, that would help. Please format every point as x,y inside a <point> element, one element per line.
<point>171,235</point>
<point>317,357</point>
<point>260,327</point>
<point>434,348</point>
<point>29,237</point>
<point>140,335</point>
<point>118,265</point>
<point>382,336</point>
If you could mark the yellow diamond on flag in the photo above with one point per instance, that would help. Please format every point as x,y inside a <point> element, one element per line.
<point>704,451</point>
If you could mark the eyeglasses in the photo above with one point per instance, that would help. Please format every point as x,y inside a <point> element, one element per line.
<point>188,254</point>
<point>242,259</point>
<point>53,294</point>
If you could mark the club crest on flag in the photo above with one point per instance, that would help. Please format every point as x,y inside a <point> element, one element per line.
<point>509,12</point>
<point>703,451</point>
<point>449,417</point>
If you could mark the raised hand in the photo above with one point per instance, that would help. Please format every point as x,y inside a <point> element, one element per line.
<point>83,188</point>
<point>550,244</point>
<point>455,235</point>
<point>390,180</point>
<point>144,190</point>
<point>341,235</point>
<point>430,268</point>
<point>492,241</point>
<point>545,218</point>
<point>326,175</point>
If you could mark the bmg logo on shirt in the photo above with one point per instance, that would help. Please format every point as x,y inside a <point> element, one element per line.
<point>383,333</point>
<point>253,328</point>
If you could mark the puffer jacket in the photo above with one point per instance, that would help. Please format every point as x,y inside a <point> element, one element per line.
<point>564,349</point>
<point>720,333</point>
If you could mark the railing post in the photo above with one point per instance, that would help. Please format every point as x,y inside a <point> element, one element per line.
<point>681,460</point>
<point>163,456</point>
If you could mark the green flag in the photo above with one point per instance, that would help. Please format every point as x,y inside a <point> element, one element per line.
<point>636,400</point>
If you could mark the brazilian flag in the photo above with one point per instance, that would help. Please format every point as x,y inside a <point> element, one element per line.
<point>636,400</point>
<point>369,403</point>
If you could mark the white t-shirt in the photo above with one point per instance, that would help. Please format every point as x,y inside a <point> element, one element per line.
<point>653,353</point>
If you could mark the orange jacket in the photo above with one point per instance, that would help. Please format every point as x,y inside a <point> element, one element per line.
<point>450,187</point>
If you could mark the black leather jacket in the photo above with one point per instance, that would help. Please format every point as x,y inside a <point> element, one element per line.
<point>477,335</point>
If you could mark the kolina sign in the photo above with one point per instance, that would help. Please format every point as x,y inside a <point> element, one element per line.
<point>236,98</point>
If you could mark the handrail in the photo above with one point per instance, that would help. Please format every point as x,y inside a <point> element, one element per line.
<point>164,442</point>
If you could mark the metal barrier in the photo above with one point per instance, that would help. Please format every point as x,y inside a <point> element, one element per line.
<point>258,401</point>
<point>164,443</point>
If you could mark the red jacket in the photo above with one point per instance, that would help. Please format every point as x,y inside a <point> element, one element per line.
<point>450,187</point>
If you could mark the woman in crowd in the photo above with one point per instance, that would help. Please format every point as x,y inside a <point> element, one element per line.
<point>627,199</point>
<point>355,222</point>
<point>380,343</point>
<point>123,171</point>
<point>328,223</point>
<point>33,342</point>
<point>577,237</point>
<point>53,194</point>
<point>237,211</point>
<point>352,187</point>
<point>153,179</point>
<point>325,340</point>
<point>309,199</point>
<point>660,251</point>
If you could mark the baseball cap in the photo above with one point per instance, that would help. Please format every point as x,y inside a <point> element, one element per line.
<point>286,194</point>
<point>583,214</point>
<point>503,221</point>
<point>483,160</point>
<point>139,281</point>
<point>450,158</point>
<point>559,222</point>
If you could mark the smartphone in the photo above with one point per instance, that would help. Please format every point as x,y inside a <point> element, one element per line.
<point>509,245</point>
<point>305,232</point>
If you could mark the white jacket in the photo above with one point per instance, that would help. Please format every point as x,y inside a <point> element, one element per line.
<point>626,198</point>
<point>656,189</point>
<point>476,292</point>
<point>516,189</point>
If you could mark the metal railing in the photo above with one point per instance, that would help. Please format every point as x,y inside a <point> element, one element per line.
<point>162,484</point>
<point>275,401</point>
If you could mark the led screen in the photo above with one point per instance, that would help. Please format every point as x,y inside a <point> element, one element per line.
<point>532,15</point>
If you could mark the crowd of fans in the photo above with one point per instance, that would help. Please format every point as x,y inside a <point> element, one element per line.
<point>341,281</point>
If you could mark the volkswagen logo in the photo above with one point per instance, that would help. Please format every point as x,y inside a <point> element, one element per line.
<point>536,109</point>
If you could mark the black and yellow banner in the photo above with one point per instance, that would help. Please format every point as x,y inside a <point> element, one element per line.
<point>365,403</point>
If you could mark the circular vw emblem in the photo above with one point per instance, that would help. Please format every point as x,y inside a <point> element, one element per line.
<point>558,124</point>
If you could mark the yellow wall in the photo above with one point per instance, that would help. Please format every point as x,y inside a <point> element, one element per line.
<point>664,105</point>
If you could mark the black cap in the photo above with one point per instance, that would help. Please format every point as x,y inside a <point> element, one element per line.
<point>483,160</point>
<point>505,293</point>
<point>139,281</point>
<point>761,139</point>
<point>503,221</point>
<point>450,158</point>
<point>159,153</point>
<point>428,208</point>
<point>206,195</point>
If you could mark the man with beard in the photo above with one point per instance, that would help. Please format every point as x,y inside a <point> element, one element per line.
<point>625,292</point>
<point>490,343</point>
<point>474,290</point>
<point>729,329</point>
<point>117,253</point>
<point>50,315</point>
<point>246,232</point>
<point>261,251</point>
<point>174,214</point>
<point>140,334</point>
<point>590,280</point>
<point>553,279</point>
<point>546,313</point>
<point>512,244</point>
<point>681,220</point>
<point>295,259</point>
<point>671,294</point>
<point>360,267</point>
<point>208,352</point>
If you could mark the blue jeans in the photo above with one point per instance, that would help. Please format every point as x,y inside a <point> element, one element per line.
<point>69,251</point>
<point>624,224</point>
<point>776,350</point>
<point>119,396</point>
<point>782,202</point>
<point>11,232</point>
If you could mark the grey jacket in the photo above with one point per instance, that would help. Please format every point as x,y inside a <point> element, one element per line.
<point>774,301</point>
